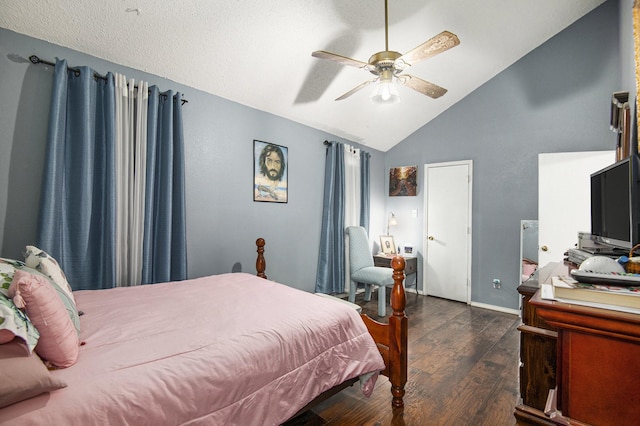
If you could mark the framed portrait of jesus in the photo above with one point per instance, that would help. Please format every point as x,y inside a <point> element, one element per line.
<point>270,169</point>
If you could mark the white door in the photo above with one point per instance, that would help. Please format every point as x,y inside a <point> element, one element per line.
<point>564,199</point>
<point>447,257</point>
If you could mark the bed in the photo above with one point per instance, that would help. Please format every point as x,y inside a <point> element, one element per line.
<point>148,358</point>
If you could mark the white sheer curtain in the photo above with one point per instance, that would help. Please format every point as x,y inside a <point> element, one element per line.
<point>351,186</point>
<point>131,152</point>
<point>351,198</point>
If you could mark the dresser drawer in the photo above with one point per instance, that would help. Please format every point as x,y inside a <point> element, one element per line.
<point>411,265</point>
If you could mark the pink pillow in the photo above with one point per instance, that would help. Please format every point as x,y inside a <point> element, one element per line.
<point>58,341</point>
<point>23,375</point>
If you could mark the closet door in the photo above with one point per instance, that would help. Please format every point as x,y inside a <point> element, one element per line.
<point>447,259</point>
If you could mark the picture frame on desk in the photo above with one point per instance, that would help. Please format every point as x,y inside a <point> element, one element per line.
<point>387,245</point>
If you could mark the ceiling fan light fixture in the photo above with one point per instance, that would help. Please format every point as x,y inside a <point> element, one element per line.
<point>385,92</point>
<point>387,64</point>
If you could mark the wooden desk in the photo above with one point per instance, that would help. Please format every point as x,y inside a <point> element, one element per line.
<point>410,265</point>
<point>598,361</point>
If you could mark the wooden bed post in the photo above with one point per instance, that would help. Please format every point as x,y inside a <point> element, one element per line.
<point>261,264</point>
<point>391,338</point>
<point>398,327</point>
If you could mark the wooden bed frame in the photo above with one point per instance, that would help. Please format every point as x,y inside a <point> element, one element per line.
<point>391,338</point>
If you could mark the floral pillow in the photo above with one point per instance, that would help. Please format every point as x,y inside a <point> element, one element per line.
<point>8,267</point>
<point>14,323</point>
<point>44,263</point>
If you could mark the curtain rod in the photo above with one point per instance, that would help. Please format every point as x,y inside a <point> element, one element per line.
<point>327,143</point>
<point>36,60</point>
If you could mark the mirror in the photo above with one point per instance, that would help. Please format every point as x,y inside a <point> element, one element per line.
<point>528,248</point>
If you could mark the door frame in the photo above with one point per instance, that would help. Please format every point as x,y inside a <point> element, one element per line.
<point>425,225</point>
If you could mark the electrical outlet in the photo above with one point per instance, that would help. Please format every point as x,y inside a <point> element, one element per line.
<point>496,283</point>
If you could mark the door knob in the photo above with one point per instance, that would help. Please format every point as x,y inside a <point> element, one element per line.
<point>544,248</point>
<point>431,237</point>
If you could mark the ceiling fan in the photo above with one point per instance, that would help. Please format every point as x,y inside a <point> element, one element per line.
<point>387,65</point>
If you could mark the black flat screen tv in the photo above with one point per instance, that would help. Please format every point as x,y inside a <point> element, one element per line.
<point>615,201</point>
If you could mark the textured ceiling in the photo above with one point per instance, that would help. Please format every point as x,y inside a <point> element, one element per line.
<point>258,52</point>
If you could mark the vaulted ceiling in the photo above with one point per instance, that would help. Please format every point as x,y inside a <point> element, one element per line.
<point>258,53</point>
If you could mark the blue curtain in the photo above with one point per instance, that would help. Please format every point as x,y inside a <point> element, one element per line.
<point>76,223</point>
<point>165,243</point>
<point>331,262</point>
<point>365,192</point>
<point>77,218</point>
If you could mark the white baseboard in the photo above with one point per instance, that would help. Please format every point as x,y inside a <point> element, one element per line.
<point>496,308</point>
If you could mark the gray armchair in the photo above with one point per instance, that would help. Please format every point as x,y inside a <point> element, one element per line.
<point>363,271</point>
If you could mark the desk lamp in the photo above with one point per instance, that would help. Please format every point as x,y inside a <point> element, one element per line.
<point>392,222</point>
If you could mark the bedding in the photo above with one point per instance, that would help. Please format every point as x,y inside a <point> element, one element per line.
<point>225,349</point>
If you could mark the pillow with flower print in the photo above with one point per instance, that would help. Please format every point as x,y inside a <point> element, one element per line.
<point>15,323</point>
<point>42,262</point>
<point>8,267</point>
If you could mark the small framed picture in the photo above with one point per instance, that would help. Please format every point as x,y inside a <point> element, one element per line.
<point>403,181</point>
<point>387,245</point>
<point>270,169</point>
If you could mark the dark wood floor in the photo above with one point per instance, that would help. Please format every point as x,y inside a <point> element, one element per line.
<point>463,370</point>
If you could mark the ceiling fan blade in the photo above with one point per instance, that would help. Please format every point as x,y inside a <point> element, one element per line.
<point>419,85</point>
<point>438,44</point>
<point>355,89</point>
<point>343,60</point>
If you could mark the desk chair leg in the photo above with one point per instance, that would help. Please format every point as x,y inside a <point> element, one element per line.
<point>367,292</point>
<point>382,301</point>
<point>352,291</point>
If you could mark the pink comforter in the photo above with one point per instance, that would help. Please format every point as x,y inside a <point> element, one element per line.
<point>229,349</point>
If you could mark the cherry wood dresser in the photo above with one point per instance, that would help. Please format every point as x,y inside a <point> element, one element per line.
<point>591,376</point>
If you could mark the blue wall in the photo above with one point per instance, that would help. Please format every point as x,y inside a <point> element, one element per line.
<point>554,99</point>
